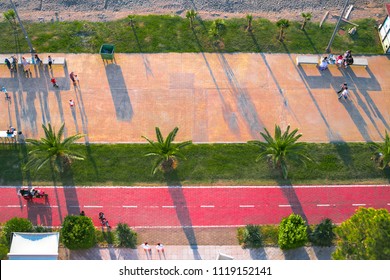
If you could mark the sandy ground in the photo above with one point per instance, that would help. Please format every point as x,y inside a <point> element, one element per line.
<point>93,10</point>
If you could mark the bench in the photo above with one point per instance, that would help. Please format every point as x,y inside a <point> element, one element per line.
<point>360,61</point>
<point>307,59</point>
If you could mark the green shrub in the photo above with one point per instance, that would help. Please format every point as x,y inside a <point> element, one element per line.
<point>16,225</point>
<point>42,229</point>
<point>3,252</point>
<point>292,232</point>
<point>126,236</point>
<point>78,232</point>
<point>269,234</point>
<point>104,238</point>
<point>323,234</point>
<point>250,236</point>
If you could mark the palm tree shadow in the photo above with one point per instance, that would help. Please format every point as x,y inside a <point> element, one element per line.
<point>72,201</point>
<point>179,201</point>
<point>292,198</point>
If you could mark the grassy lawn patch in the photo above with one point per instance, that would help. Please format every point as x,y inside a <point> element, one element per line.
<point>165,33</point>
<point>206,164</point>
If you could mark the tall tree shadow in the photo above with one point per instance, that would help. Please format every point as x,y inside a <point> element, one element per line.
<point>292,198</point>
<point>70,192</point>
<point>229,115</point>
<point>148,69</point>
<point>179,201</point>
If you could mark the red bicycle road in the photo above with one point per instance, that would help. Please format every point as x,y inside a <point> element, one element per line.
<point>194,206</point>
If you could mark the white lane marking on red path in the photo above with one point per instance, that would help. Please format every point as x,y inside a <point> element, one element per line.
<point>129,206</point>
<point>359,204</point>
<point>207,206</point>
<point>204,187</point>
<point>152,206</point>
<point>12,206</point>
<point>284,205</point>
<point>323,205</point>
<point>247,206</point>
<point>169,206</point>
<point>93,206</point>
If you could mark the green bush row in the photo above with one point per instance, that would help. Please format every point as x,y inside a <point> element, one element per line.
<point>291,233</point>
<point>77,232</point>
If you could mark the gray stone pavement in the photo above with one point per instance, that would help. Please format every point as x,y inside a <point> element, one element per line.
<point>199,253</point>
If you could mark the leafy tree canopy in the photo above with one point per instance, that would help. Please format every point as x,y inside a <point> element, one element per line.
<point>364,236</point>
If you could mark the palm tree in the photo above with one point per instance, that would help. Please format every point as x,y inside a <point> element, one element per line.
<point>249,17</point>
<point>281,148</point>
<point>306,18</point>
<point>165,151</point>
<point>282,24</point>
<point>382,152</point>
<point>52,150</point>
<point>191,14</point>
<point>10,16</point>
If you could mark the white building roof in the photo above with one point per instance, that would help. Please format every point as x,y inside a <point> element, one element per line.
<point>28,246</point>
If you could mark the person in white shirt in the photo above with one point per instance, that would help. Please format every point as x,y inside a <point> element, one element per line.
<point>344,93</point>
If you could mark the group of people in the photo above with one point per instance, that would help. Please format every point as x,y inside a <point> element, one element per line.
<point>103,220</point>
<point>148,249</point>
<point>11,63</point>
<point>341,60</point>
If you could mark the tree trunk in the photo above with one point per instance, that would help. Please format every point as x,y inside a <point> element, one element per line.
<point>281,34</point>
<point>303,25</point>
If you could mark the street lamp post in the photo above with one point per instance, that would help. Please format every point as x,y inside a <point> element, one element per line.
<point>327,50</point>
<point>24,30</point>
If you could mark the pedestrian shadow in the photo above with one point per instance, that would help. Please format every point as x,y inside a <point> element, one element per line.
<point>175,189</point>
<point>357,118</point>
<point>368,105</point>
<point>119,93</point>
<point>161,255</point>
<point>40,208</point>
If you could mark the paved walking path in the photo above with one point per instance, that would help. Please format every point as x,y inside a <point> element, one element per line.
<point>200,253</point>
<point>210,97</point>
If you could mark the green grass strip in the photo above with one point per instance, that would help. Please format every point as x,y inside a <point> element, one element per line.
<point>164,33</point>
<point>206,164</point>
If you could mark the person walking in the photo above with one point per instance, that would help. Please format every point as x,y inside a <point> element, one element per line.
<point>49,61</point>
<point>103,220</point>
<point>38,61</point>
<point>73,77</point>
<point>160,247</point>
<point>343,86</point>
<point>71,104</point>
<point>54,82</point>
<point>146,248</point>
<point>344,93</point>
<point>7,97</point>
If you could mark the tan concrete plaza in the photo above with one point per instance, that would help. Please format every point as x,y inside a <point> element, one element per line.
<point>210,97</point>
